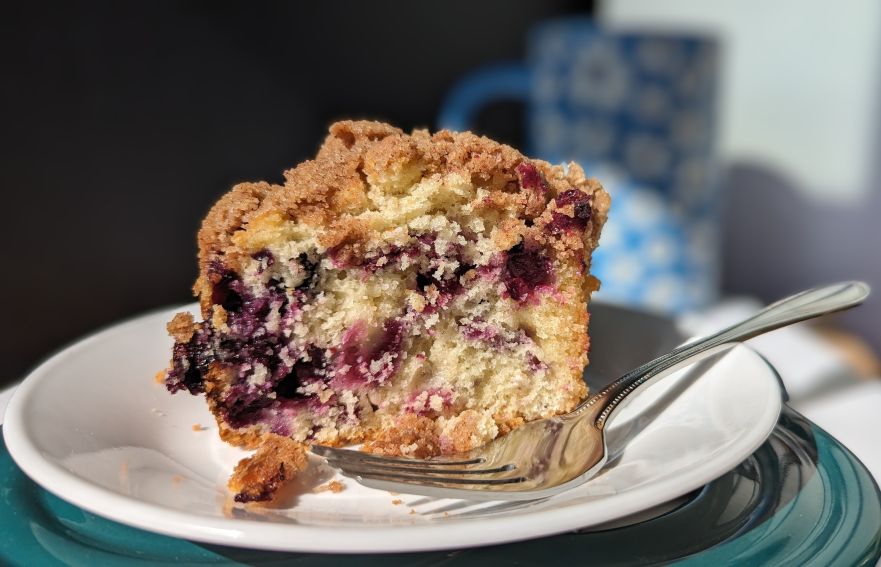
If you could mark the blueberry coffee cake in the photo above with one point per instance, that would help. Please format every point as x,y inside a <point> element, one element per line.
<point>420,294</point>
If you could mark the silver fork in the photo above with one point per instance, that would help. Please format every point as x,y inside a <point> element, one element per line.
<point>549,456</point>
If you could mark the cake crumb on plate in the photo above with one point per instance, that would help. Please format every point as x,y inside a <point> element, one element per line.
<point>334,486</point>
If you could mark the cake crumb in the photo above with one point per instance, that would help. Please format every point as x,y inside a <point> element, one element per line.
<point>229,505</point>
<point>257,478</point>
<point>397,501</point>
<point>199,427</point>
<point>160,377</point>
<point>181,327</point>
<point>176,480</point>
<point>334,486</point>
<point>412,511</point>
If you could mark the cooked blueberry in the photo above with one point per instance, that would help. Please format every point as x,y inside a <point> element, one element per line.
<point>303,372</point>
<point>225,290</point>
<point>265,490</point>
<point>531,179</point>
<point>311,269</point>
<point>265,257</point>
<point>287,386</point>
<point>448,286</point>
<point>190,363</point>
<point>526,268</point>
<point>535,364</point>
<point>581,211</point>
<point>369,356</point>
<point>424,280</point>
<point>242,407</point>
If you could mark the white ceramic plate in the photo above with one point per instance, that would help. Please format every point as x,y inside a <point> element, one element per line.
<point>92,426</point>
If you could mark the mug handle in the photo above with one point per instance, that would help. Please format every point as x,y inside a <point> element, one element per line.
<point>478,88</point>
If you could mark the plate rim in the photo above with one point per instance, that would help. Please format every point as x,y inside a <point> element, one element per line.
<point>308,538</point>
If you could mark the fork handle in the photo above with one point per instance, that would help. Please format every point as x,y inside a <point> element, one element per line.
<point>799,307</point>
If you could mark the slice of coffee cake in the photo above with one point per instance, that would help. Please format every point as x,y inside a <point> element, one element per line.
<point>419,293</point>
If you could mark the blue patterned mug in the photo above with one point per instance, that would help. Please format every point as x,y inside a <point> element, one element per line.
<point>642,106</point>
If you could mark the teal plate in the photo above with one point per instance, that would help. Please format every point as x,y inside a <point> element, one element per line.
<point>801,499</point>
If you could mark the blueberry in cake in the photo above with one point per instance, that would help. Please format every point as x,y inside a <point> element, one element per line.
<point>420,294</point>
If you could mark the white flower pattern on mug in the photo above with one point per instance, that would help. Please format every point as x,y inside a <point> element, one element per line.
<point>599,76</point>
<point>643,105</point>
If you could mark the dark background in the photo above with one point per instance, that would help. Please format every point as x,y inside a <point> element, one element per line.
<point>122,122</point>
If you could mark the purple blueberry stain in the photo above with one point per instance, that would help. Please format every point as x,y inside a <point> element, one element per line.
<point>368,356</point>
<point>421,403</point>
<point>309,369</point>
<point>447,287</point>
<point>248,346</point>
<point>447,284</point>
<point>310,268</point>
<point>265,258</point>
<point>531,179</point>
<point>242,404</point>
<point>535,364</point>
<point>190,362</point>
<point>270,379</point>
<point>390,259</point>
<point>581,212</point>
<point>225,288</point>
<point>493,336</point>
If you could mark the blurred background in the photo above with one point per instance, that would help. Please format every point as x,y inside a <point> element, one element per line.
<point>739,140</point>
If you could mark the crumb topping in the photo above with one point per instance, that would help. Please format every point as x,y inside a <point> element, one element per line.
<point>182,327</point>
<point>258,477</point>
<point>331,189</point>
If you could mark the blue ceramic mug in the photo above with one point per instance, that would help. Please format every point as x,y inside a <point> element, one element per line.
<point>636,109</point>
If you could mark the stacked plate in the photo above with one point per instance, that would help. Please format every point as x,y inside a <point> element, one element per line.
<point>725,473</point>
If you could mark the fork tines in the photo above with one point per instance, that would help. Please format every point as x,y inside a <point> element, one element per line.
<point>416,471</point>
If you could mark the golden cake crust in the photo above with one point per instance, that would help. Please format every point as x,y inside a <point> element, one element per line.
<point>323,191</point>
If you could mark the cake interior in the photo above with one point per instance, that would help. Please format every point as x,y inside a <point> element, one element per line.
<point>429,303</point>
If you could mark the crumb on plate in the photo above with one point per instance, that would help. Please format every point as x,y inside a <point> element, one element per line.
<point>334,486</point>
